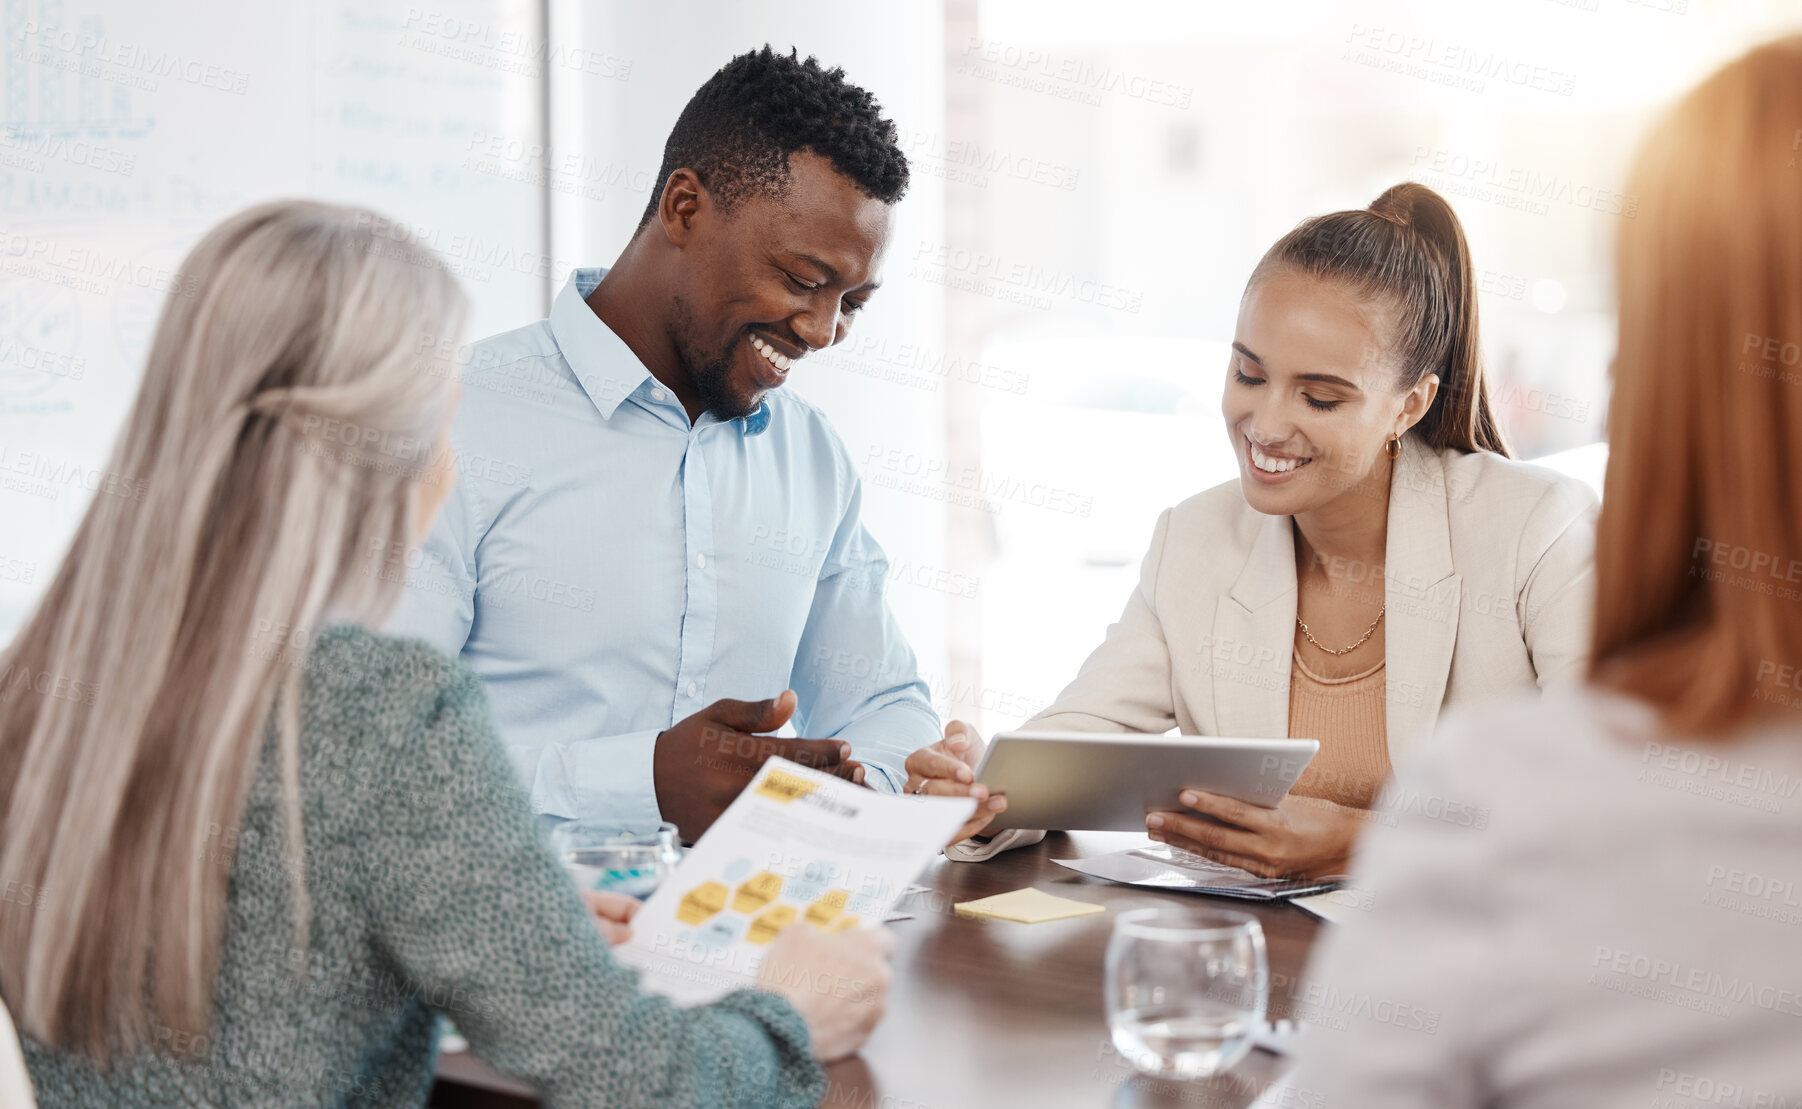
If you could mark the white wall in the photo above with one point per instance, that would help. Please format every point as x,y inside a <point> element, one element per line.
<point>128,129</point>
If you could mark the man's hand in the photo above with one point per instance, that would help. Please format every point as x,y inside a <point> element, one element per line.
<point>1304,836</point>
<point>704,761</point>
<point>613,913</point>
<point>948,769</point>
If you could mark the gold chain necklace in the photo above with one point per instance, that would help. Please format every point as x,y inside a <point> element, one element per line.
<point>1368,632</point>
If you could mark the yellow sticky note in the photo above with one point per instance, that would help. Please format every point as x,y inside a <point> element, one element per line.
<point>1028,906</point>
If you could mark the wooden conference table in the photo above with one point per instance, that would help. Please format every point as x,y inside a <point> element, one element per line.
<point>994,1013</point>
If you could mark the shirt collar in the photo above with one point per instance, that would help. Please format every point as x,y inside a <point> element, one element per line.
<point>606,367</point>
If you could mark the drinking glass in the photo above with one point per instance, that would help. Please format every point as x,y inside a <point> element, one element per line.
<point>624,859</point>
<point>1186,989</point>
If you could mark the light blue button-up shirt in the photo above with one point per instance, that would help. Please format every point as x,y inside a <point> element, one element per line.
<point>607,568</point>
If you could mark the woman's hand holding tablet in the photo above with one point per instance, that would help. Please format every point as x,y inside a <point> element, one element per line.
<point>1110,781</point>
<point>1303,836</point>
<point>948,769</point>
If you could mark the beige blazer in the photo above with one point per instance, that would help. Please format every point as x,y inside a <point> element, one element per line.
<point>1489,579</point>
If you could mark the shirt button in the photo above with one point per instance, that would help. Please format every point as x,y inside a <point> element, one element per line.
<point>656,394</point>
<point>701,561</point>
<point>693,689</point>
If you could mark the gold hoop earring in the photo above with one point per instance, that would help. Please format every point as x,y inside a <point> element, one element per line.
<point>1393,448</point>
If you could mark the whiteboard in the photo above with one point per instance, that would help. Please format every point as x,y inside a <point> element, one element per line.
<point>128,129</point>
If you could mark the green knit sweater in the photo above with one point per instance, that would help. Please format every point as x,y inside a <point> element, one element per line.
<point>432,893</point>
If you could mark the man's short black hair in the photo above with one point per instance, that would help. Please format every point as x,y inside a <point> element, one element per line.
<point>740,127</point>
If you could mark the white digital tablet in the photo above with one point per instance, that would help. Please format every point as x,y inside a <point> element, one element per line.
<point>1108,781</point>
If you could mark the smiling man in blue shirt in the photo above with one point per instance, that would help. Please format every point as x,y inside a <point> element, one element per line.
<point>656,554</point>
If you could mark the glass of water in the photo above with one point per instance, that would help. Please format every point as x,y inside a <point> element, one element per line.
<point>1186,989</point>
<point>624,859</point>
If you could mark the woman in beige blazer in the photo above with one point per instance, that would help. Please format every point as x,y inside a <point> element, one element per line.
<point>1379,559</point>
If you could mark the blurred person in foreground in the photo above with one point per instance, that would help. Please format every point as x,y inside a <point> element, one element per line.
<point>1622,928</point>
<point>266,847</point>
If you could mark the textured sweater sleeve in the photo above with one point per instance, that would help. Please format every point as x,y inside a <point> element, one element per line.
<point>499,941</point>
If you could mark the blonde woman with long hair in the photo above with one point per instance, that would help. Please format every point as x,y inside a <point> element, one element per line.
<point>255,850</point>
<point>1621,928</point>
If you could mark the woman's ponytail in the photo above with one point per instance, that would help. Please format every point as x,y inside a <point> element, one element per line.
<point>1408,247</point>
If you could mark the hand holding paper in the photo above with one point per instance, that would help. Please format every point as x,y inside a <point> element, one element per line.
<point>797,847</point>
<point>855,964</point>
